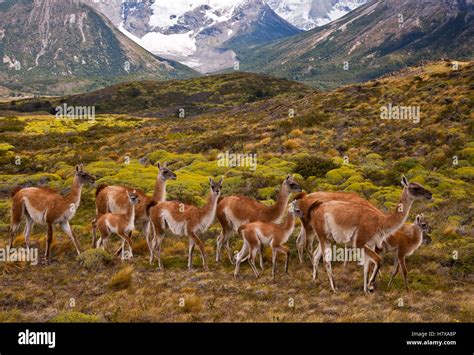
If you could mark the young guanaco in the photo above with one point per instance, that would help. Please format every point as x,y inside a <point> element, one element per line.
<point>405,242</point>
<point>184,220</point>
<point>256,234</point>
<point>121,224</point>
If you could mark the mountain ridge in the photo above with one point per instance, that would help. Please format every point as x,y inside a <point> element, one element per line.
<point>371,41</point>
<point>73,48</point>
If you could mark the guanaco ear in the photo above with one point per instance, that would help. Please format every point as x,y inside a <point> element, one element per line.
<point>81,167</point>
<point>165,165</point>
<point>404,181</point>
<point>288,177</point>
<point>77,168</point>
<point>210,180</point>
<point>158,165</point>
<point>418,218</point>
<point>222,179</point>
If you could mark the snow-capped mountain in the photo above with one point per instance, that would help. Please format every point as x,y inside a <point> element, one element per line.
<point>202,34</point>
<point>207,34</point>
<point>308,14</point>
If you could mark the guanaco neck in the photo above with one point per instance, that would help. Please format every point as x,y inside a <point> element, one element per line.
<point>275,212</point>
<point>288,227</point>
<point>209,209</point>
<point>130,212</point>
<point>74,196</point>
<point>417,236</point>
<point>398,217</point>
<point>160,189</point>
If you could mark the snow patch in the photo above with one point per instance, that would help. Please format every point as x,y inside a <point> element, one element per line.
<point>158,43</point>
<point>166,13</point>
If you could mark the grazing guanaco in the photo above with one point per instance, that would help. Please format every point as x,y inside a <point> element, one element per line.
<point>114,199</point>
<point>121,224</point>
<point>234,211</point>
<point>46,207</point>
<point>364,227</point>
<point>306,236</point>
<point>405,242</point>
<point>184,220</point>
<point>256,234</point>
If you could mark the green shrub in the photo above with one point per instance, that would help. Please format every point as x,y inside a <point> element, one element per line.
<point>313,165</point>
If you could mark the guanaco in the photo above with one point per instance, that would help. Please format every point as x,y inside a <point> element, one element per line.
<point>306,236</point>
<point>46,207</point>
<point>276,235</point>
<point>364,227</point>
<point>114,199</point>
<point>234,211</point>
<point>405,242</point>
<point>121,224</point>
<point>184,220</point>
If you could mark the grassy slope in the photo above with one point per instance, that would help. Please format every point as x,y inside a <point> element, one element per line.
<point>164,99</point>
<point>326,127</point>
<point>370,40</point>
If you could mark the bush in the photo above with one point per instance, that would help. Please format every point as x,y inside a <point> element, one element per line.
<point>313,166</point>
<point>94,259</point>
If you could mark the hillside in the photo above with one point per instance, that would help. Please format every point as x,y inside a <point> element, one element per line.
<point>61,47</point>
<point>377,38</point>
<point>165,99</point>
<point>335,141</point>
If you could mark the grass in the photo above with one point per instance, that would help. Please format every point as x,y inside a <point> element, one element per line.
<point>341,145</point>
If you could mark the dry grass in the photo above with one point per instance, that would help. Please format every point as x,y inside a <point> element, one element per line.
<point>122,279</point>
<point>44,292</point>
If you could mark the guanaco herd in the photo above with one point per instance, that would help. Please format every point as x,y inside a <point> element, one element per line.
<point>340,217</point>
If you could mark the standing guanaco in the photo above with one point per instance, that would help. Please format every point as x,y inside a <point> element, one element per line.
<point>405,242</point>
<point>184,220</point>
<point>114,199</point>
<point>234,211</point>
<point>306,236</point>
<point>256,234</point>
<point>46,207</point>
<point>121,224</point>
<point>360,225</point>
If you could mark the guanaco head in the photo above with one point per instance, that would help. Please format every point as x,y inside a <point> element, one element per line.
<point>165,173</point>
<point>291,185</point>
<point>216,187</point>
<point>133,197</point>
<point>415,190</point>
<point>420,221</point>
<point>83,176</point>
<point>293,208</point>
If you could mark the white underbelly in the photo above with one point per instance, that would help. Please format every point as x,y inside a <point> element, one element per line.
<point>112,228</point>
<point>176,227</point>
<point>36,215</point>
<point>264,239</point>
<point>236,222</point>
<point>340,234</point>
